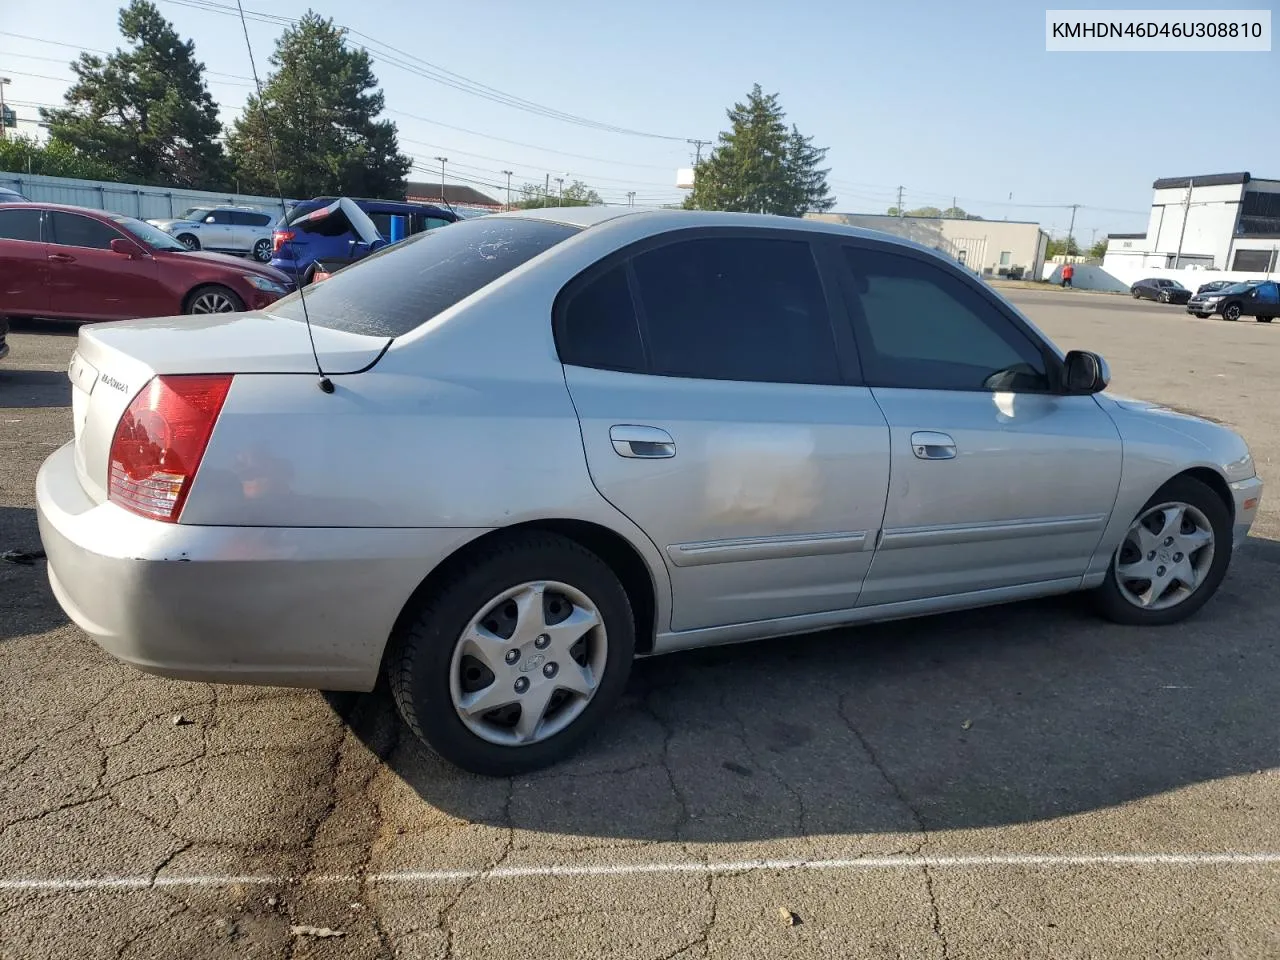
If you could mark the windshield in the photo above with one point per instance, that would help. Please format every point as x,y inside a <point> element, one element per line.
<point>402,286</point>
<point>197,213</point>
<point>145,232</point>
<point>1238,288</point>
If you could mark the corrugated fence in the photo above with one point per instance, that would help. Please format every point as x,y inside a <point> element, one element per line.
<point>129,199</point>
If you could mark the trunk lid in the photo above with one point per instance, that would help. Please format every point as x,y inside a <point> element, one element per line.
<point>114,361</point>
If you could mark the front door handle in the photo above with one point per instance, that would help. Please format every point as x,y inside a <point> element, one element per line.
<point>928,445</point>
<point>635,440</point>
<point>62,258</point>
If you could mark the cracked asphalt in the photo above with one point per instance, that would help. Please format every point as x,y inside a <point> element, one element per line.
<point>911,764</point>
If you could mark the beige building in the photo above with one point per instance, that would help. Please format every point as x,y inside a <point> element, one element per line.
<point>990,248</point>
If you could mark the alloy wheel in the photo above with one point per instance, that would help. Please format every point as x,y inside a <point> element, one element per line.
<point>1165,556</point>
<point>262,251</point>
<point>212,302</point>
<point>528,663</point>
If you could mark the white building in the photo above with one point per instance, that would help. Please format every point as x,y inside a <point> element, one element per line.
<point>1224,221</point>
<point>991,248</point>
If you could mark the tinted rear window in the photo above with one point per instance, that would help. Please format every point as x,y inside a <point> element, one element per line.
<point>404,285</point>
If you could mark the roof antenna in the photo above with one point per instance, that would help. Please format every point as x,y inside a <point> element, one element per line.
<point>326,384</point>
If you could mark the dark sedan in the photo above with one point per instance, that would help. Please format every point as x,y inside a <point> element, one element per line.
<point>75,263</point>
<point>1259,299</point>
<point>1213,286</point>
<point>1160,290</point>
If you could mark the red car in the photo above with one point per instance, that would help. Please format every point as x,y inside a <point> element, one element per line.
<point>82,264</point>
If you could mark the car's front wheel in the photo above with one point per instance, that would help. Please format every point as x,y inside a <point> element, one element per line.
<point>262,251</point>
<point>1164,298</point>
<point>515,657</point>
<point>1172,559</point>
<point>1137,294</point>
<point>213,299</point>
<point>1231,311</point>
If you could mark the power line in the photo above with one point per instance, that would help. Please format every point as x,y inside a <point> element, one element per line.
<point>428,70</point>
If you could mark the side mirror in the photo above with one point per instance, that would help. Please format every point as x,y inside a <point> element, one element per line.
<point>209,219</point>
<point>126,249</point>
<point>1086,373</point>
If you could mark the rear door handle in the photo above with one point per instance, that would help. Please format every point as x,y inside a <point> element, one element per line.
<point>637,441</point>
<point>928,445</point>
<point>62,258</point>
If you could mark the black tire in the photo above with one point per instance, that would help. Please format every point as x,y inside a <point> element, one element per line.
<point>1137,294</point>
<point>189,240</point>
<point>1263,319</point>
<point>215,289</point>
<point>1164,298</point>
<point>262,251</point>
<point>1231,311</point>
<point>1112,604</point>
<point>420,654</point>
<point>1203,316</point>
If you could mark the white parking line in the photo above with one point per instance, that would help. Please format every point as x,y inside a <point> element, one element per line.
<point>429,877</point>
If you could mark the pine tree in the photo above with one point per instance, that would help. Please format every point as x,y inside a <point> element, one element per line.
<point>144,112</point>
<point>758,166</point>
<point>317,112</point>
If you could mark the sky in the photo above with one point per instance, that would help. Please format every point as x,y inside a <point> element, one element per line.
<point>943,99</point>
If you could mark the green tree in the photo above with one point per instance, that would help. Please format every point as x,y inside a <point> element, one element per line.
<point>951,213</point>
<point>1060,246</point>
<point>317,112</point>
<point>53,158</point>
<point>1099,249</point>
<point>576,194</point>
<point>144,112</point>
<point>759,166</point>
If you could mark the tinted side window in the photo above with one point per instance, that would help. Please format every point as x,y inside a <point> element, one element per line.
<point>71,230</point>
<point>258,219</point>
<point>383,222</point>
<point>20,225</point>
<point>243,218</point>
<point>736,309</point>
<point>921,327</point>
<point>221,216</point>
<point>597,326</point>
<point>433,222</point>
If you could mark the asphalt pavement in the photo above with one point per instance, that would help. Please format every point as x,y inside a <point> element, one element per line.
<point>1022,781</point>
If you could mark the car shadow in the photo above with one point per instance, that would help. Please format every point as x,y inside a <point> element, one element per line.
<point>27,605</point>
<point>33,388</point>
<point>1005,715</point>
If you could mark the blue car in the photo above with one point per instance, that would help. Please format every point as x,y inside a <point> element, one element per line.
<point>332,231</point>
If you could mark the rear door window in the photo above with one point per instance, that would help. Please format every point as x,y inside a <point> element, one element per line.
<point>403,285</point>
<point>20,225</point>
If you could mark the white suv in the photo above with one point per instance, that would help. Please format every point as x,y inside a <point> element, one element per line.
<point>238,230</point>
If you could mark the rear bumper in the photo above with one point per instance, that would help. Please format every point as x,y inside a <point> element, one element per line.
<point>1247,495</point>
<point>298,606</point>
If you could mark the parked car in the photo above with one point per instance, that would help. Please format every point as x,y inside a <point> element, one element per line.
<point>1259,299</point>
<point>82,264</point>
<point>11,196</point>
<point>1161,290</point>
<point>547,442</point>
<point>325,230</point>
<point>1212,286</point>
<point>225,229</point>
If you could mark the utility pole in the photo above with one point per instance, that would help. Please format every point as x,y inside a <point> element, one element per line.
<point>697,146</point>
<point>1071,227</point>
<point>4,132</point>
<point>631,198</point>
<point>546,190</point>
<point>443,161</point>
<point>560,181</point>
<point>899,201</point>
<point>508,173</point>
<point>1186,211</point>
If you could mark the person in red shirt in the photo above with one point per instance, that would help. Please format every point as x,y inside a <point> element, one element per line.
<point>1068,272</point>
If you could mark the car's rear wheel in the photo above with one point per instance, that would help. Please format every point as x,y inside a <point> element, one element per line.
<point>1263,319</point>
<point>514,658</point>
<point>262,251</point>
<point>189,240</point>
<point>1172,559</point>
<point>1231,311</point>
<point>213,299</point>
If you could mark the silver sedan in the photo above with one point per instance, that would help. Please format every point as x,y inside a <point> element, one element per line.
<point>499,461</point>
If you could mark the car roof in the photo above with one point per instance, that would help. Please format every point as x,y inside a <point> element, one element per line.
<point>668,218</point>
<point>67,208</point>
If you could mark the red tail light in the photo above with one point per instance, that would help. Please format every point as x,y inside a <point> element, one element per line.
<point>160,440</point>
<point>279,238</point>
